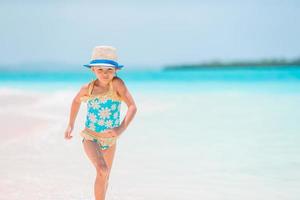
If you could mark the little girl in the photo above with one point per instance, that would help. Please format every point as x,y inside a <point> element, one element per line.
<point>102,126</point>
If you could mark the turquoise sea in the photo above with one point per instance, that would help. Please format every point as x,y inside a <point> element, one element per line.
<point>265,79</point>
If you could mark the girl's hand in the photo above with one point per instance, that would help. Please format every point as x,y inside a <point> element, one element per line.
<point>114,132</point>
<point>68,132</point>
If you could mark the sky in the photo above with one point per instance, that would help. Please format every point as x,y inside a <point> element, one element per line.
<point>148,34</point>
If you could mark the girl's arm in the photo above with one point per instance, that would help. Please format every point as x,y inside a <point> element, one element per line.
<point>128,99</point>
<point>74,110</point>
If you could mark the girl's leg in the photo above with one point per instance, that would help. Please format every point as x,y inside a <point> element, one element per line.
<point>108,155</point>
<point>92,150</point>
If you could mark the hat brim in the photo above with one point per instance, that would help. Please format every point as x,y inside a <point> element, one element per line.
<point>103,65</point>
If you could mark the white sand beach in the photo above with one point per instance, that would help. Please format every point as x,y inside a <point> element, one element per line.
<point>210,145</point>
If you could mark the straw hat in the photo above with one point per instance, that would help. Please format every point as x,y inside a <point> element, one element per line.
<point>104,56</point>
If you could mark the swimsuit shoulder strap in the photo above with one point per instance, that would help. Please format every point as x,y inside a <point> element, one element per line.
<point>91,87</point>
<point>111,88</point>
<point>112,91</point>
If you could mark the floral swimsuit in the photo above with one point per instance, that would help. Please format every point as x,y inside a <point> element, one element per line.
<point>103,112</point>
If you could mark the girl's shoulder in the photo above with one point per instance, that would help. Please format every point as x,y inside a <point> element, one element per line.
<point>85,87</point>
<point>85,90</point>
<point>119,87</point>
<point>118,82</point>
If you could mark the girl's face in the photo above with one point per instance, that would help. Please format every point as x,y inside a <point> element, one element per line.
<point>104,74</point>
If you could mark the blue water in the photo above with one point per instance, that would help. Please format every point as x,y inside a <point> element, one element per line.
<point>283,79</point>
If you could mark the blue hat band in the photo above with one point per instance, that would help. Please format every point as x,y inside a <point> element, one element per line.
<point>104,61</point>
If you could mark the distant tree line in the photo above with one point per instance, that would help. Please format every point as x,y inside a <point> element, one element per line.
<point>220,64</point>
